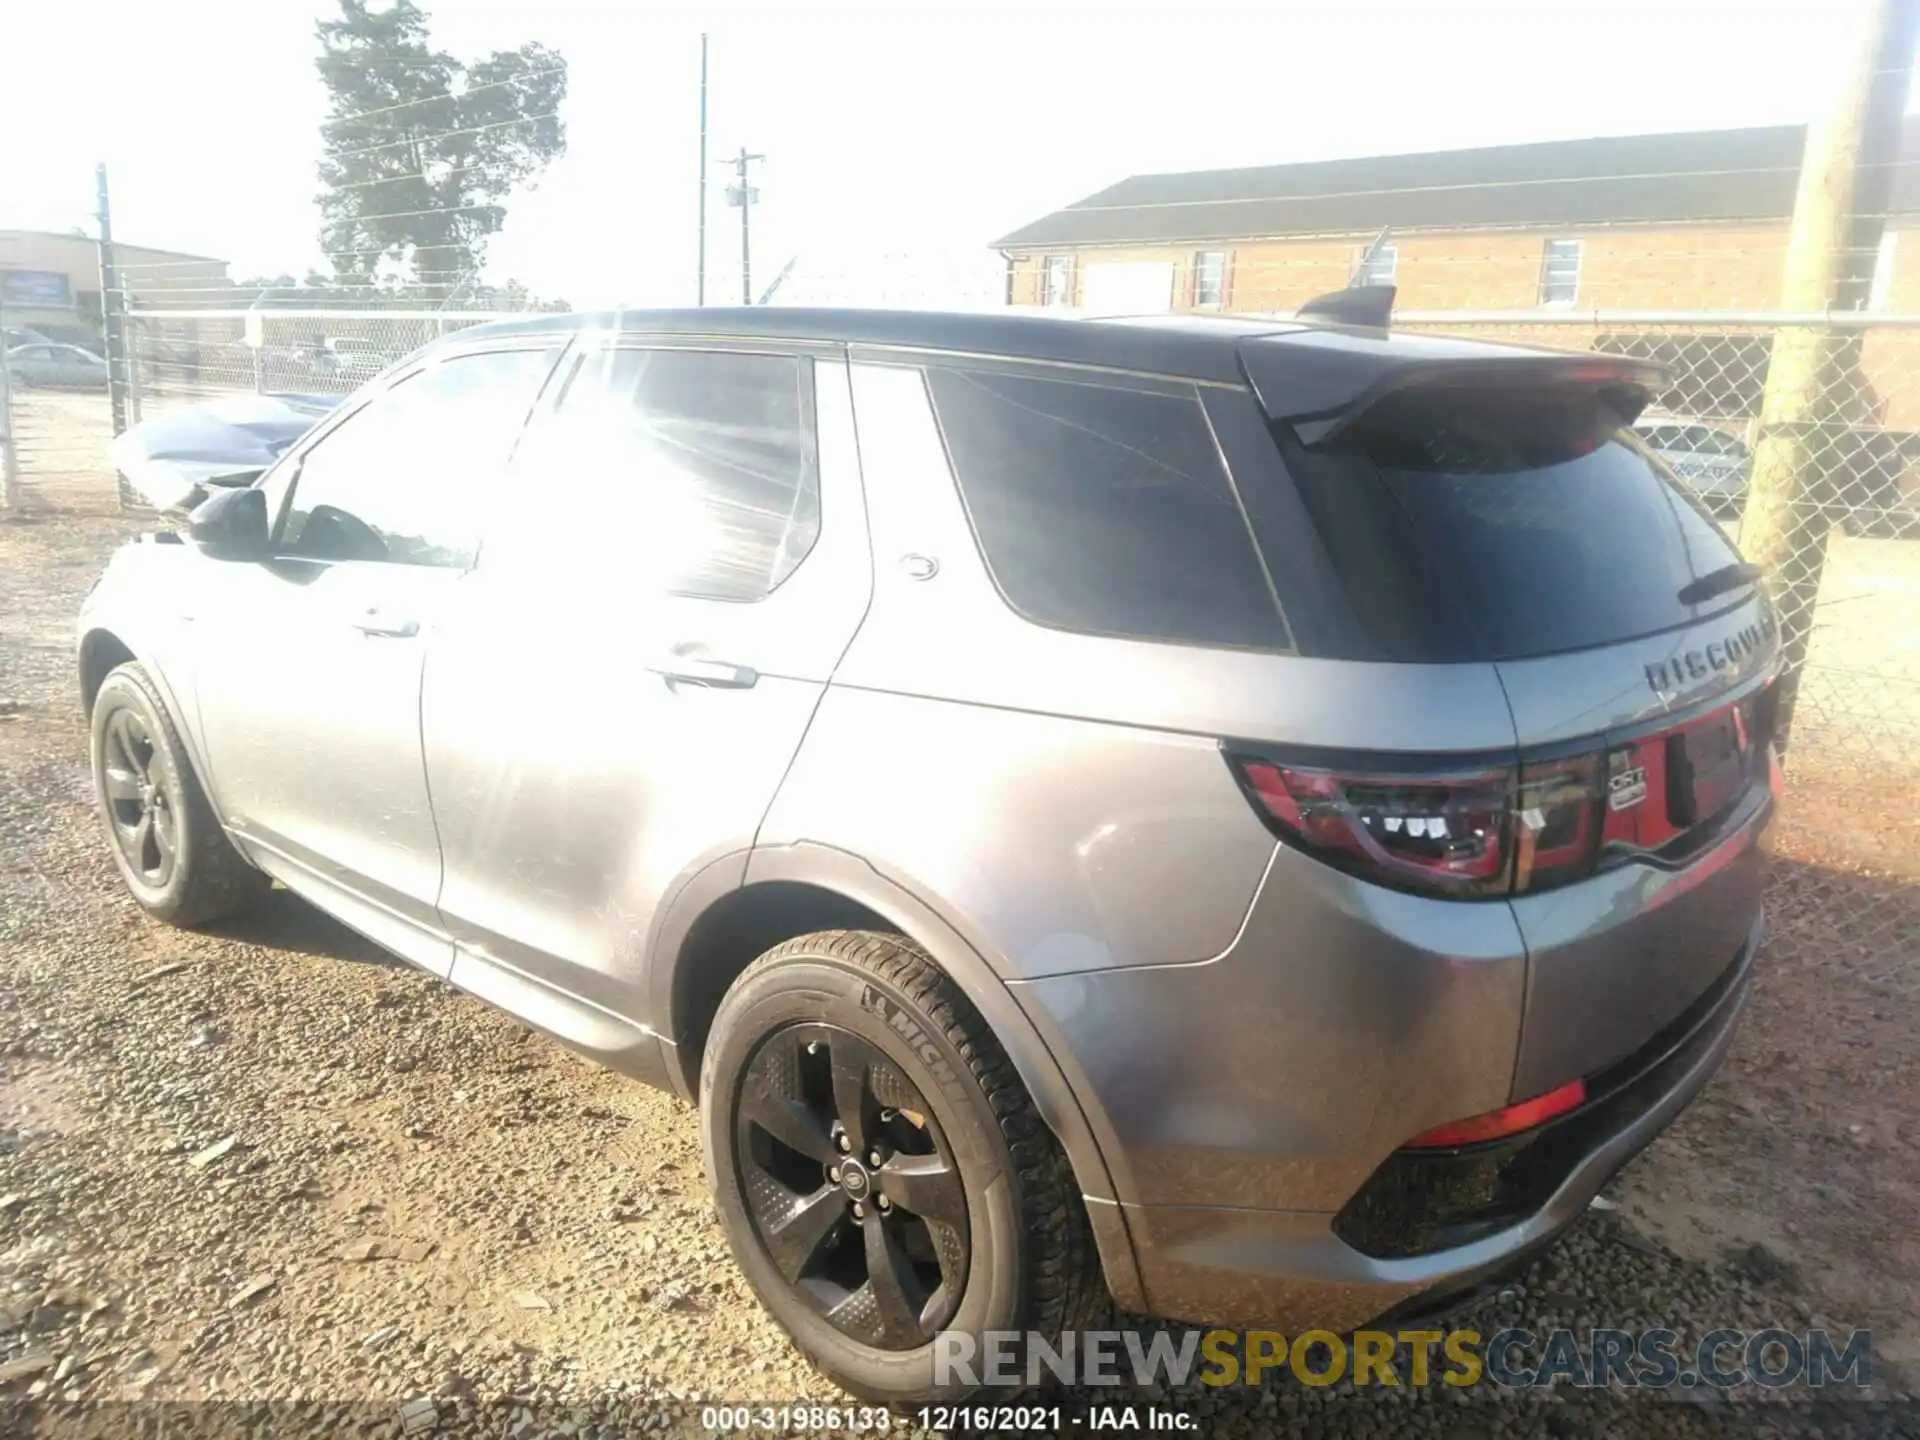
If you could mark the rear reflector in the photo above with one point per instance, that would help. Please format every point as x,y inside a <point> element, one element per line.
<point>1510,1120</point>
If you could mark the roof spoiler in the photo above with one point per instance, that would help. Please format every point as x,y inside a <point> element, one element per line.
<point>1368,305</point>
<point>1329,398</point>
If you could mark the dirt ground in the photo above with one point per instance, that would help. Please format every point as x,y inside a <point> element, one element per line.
<point>268,1164</point>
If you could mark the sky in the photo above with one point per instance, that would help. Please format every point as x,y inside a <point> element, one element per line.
<point>906,135</point>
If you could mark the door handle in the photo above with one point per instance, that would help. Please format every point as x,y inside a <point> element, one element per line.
<point>378,624</point>
<point>714,674</point>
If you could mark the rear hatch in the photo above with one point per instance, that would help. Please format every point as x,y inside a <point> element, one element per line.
<point>1500,512</point>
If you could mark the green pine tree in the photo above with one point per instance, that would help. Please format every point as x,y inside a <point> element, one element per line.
<point>421,149</point>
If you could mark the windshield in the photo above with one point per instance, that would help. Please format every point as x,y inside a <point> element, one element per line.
<point>1500,525</point>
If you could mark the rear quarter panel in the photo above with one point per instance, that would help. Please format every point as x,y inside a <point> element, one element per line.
<point>1062,797</point>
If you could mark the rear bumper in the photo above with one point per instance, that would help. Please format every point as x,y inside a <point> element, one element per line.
<point>1252,1108</point>
<point>1252,1267</point>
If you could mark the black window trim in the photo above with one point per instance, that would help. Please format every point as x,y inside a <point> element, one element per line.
<point>1177,387</point>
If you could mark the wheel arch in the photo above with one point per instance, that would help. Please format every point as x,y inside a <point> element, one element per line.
<point>702,947</point>
<point>101,652</point>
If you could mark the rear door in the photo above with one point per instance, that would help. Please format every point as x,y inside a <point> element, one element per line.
<point>678,563</point>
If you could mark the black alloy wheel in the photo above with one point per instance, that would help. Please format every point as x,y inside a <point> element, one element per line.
<point>851,1187</point>
<point>167,843</point>
<point>142,799</point>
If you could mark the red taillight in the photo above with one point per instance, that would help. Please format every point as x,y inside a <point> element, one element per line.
<point>1446,832</point>
<point>1508,1120</point>
<point>1473,833</point>
<point>1515,829</point>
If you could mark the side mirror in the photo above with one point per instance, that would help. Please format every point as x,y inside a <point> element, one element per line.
<point>231,524</point>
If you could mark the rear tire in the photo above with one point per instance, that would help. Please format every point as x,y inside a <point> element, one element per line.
<point>166,840</point>
<point>1017,1256</point>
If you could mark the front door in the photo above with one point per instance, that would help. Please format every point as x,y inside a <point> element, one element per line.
<point>308,664</point>
<point>680,560</point>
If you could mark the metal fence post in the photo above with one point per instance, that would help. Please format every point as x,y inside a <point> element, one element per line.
<point>112,321</point>
<point>10,498</point>
<point>130,333</point>
<point>111,307</point>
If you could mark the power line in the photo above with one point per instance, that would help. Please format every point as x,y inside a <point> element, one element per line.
<point>409,175</point>
<point>415,214</point>
<point>439,135</point>
<point>450,95</point>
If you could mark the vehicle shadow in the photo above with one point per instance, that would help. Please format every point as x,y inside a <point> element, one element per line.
<point>283,921</point>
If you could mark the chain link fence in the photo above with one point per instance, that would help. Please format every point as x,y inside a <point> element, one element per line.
<point>178,357</point>
<point>1849,842</point>
<point>58,421</point>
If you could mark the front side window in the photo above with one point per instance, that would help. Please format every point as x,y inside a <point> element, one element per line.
<point>1560,272</point>
<point>1209,277</point>
<point>1105,508</point>
<point>700,467</point>
<point>401,479</point>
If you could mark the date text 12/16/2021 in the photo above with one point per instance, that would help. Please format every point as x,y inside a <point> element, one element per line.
<point>993,1419</point>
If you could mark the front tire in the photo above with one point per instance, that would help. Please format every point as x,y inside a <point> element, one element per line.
<point>881,1172</point>
<point>166,840</point>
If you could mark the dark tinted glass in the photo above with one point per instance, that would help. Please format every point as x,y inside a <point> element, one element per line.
<point>699,466</point>
<point>402,479</point>
<point>1468,525</point>
<point>1105,509</point>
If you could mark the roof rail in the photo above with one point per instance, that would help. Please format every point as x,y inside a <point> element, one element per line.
<point>1368,305</point>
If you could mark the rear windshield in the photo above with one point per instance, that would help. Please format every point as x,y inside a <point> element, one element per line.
<point>1476,525</point>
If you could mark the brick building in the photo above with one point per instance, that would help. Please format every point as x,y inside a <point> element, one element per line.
<point>1693,221</point>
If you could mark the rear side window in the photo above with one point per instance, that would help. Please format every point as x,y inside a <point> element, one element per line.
<point>1105,508</point>
<point>1477,525</point>
<point>700,467</point>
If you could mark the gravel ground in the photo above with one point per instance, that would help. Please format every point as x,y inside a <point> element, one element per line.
<point>267,1165</point>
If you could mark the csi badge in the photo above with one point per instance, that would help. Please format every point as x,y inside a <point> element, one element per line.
<point>1626,782</point>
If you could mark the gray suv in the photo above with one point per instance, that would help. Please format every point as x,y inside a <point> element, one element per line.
<point>1254,820</point>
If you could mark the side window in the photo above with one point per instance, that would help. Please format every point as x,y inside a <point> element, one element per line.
<point>700,467</point>
<point>1106,509</point>
<point>401,480</point>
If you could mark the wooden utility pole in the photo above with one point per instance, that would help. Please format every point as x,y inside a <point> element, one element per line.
<point>744,193</point>
<point>1839,212</point>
